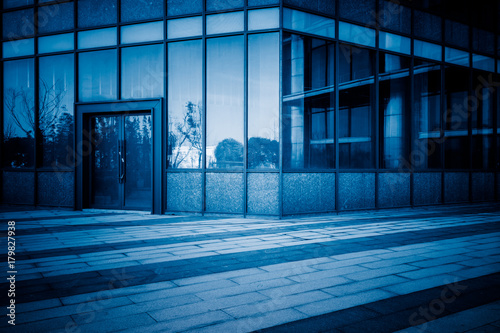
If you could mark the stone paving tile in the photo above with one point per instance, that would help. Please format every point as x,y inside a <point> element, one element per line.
<point>355,287</point>
<point>367,274</point>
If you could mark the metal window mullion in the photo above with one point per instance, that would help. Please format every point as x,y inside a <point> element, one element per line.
<point>245,118</point>
<point>204,113</point>
<point>36,109</point>
<point>337,115</point>
<point>280,153</point>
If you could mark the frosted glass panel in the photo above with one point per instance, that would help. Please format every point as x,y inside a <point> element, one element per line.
<point>97,38</point>
<point>392,42</point>
<point>455,56</point>
<point>356,34</point>
<point>142,32</point>
<point>313,24</point>
<point>185,27</point>
<point>221,23</point>
<point>263,19</point>
<point>55,43</point>
<point>16,3</point>
<point>18,48</point>
<point>427,50</point>
<point>483,62</point>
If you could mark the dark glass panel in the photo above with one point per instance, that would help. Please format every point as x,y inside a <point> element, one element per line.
<point>142,71</point>
<point>223,4</point>
<point>93,13</point>
<point>308,103</point>
<point>426,116</point>
<point>427,25</point>
<point>133,10</point>
<point>456,118</point>
<point>97,76</point>
<point>394,16</point>
<point>56,98</point>
<point>263,101</point>
<point>321,6</point>
<point>394,110</point>
<point>483,41</point>
<point>18,24</point>
<point>137,186</point>
<point>18,114</point>
<point>56,17</point>
<point>225,61</point>
<point>16,3</point>
<point>181,7</point>
<point>185,106</point>
<point>482,113</point>
<point>356,113</point>
<point>263,2</point>
<point>361,11</point>
<point>456,34</point>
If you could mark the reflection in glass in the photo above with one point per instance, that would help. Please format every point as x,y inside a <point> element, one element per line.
<point>456,57</point>
<point>18,114</point>
<point>56,43</point>
<point>19,23</point>
<point>308,103</point>
<point>427,50</point>
<point>55,115</point>
<point>263,100</point>
<point>185,104</point>
<point>227,22</point>
<point>394,101</point>
<point>321,6</point>
<point>395,43</point>
<point>482,121</point>
<point>107,13</point>
<point>482,62</point>
<point>55,17</point>
<point>310,23</point>
<point>18,48</point>
<point>268,18</point>
<point>144,32</point>
<point>181,7</point>
<point>133,10</point>
<point>223,4</point>
<point>225,59</point>
<point>356,34</point>
<point>185,27</point>
<point>96,38</point>
<point>142,71</point>
<point>356,113</point>
<point>426,116</point>
<point>97,76</point>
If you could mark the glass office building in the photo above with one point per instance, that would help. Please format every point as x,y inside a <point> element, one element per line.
<point>249,107</point>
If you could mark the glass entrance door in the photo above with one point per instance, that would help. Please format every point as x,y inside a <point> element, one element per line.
<point>120,173</point>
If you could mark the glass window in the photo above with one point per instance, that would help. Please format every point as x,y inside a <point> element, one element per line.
<point>427,50</point>
<point>360,11</point>
<point>457,57</point>
<point>55,115</point>
<point>142,71</point>
<point>185,108</point>
<point>483,41</point>
<point>356,34</point>
<point>456,34</point>
<point>263,101</point>
<point>225,59</point>
<point>133,10</point>
<point>97,76</point>
<point>427,25</point>
<point>56,43</point>
<point>263,2</point>
<point>97,38</point>
<point>181,7</point>
<point>321,6</point>
<point>185,27</point>
<point>357,108</point>
<point>426,116</point>
<point>55,17</point>
<point>483,62</point>
<point>308,103</point>
<point>16,3</point>
<point>18,48</point>
<point>395,17</point>
<point>394,81</point>
<point>309,23</point>
<point>144,32</point>
<point>268,18</point>
<point>18,114</point>
<point>18,24</point>
<point>456,118</point>
<point>395,43</point>
<point>87,9</point>
<point>228,22</point>
<point>223,4</point>
<point>482,111</point>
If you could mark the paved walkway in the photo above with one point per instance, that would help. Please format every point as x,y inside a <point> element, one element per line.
<point>409,270</point>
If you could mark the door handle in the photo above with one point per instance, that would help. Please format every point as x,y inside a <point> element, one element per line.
<point>121,162</point>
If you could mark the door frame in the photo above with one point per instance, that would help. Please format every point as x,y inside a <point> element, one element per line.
<point>83,146</point>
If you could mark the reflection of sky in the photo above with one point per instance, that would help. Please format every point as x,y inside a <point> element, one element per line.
<point>57,73</point>
<point>18,75</point>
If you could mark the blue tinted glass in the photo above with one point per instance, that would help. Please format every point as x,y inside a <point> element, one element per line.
<point>97,76</point>
<point>392,42</point>
<point>142,72</point>
<point>263,101</point>
<point>305,22</point>
<point>93,13</point>
<point>18,113</point>
<point>483,41</point>
<point>223,4</point>
<point>133,10</point>
<point>263,2</point>
<point>56,43</point>
<point>427,25</point>
<point>395,17</point>
<point>18,24</point>
<point>16,3</point>
<point>56,98</point>
<point>483,62</point>
<point>55,17</point>
<point>455,56</point>
<point>360,10</point>
<point>427,50</point>
<point>97,38</point>
<point>356,34</point>
<point>228,22</point>
<point>144,32</point>
<point>185,27</point>
<point>181,7</point>
<point>225,59</point>
<point>185,106</point>
<point>263,19</point>
<point>321,6</point>
<point>456,34</point>
<point>18,48</point>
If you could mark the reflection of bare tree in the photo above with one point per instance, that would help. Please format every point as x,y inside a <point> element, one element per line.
<point>186,133</point>
<point>19,105</point>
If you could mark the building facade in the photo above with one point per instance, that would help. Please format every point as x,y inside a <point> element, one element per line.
<point>249,107</point>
